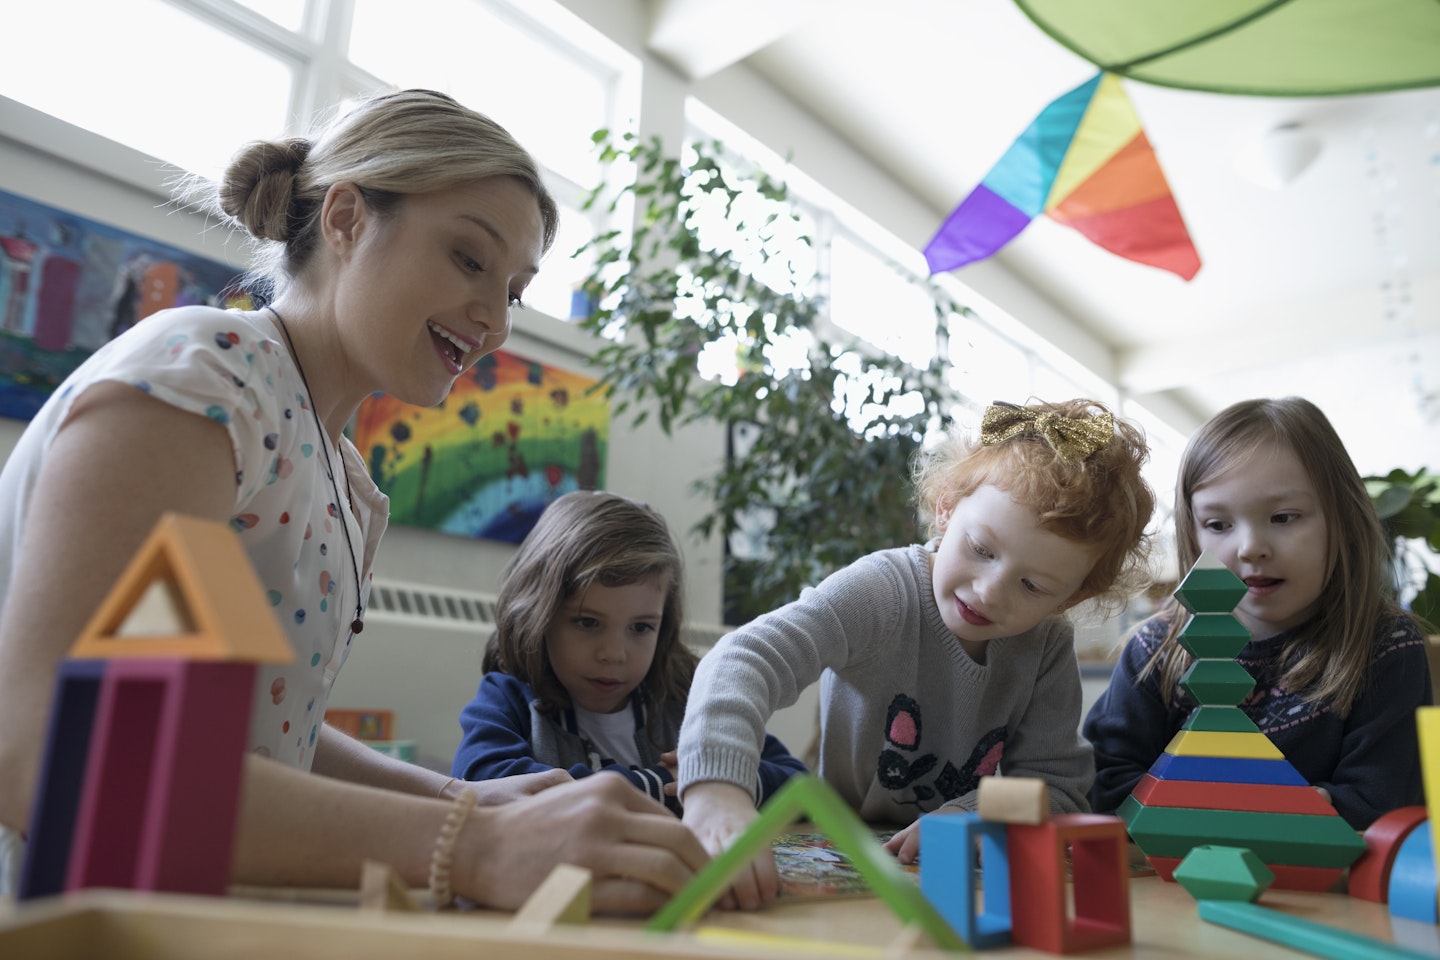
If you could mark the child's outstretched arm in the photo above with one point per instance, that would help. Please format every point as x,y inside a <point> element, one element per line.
<point>496,739</point>
<point>1378,767</point>
<point>1130,724</point>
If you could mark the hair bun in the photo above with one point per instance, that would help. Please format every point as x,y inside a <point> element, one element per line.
<point>258,187</point>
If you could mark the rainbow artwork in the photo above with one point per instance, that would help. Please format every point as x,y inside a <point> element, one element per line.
<point>1085,162</point>
<point>513,435</point>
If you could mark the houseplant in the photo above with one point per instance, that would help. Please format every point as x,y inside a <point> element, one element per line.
<point>823,428</point>
<point>1409,509</point>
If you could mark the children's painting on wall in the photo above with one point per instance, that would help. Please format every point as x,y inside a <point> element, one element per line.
<point>513,435</point>
<point>69,284</point>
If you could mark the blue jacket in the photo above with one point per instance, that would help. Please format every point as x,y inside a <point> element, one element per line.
<point>505,735</point>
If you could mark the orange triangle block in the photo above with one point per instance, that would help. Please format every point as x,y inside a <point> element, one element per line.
<point>189,592</point>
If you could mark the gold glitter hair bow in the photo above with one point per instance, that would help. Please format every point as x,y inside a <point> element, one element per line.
<point>1072,438</point>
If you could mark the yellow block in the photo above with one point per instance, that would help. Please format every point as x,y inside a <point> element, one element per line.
<point>1427,719</point>
<point>1221,743</point>
<point>775,941</point>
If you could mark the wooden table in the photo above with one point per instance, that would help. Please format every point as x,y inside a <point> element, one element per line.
<point>128,926</point>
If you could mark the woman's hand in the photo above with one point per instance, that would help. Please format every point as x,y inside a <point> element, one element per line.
<point>718,813</point>
<point>638,854</point>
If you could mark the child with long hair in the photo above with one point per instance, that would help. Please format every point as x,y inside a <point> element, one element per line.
<point>585,671</point>
<point>944,662</point>
<point>1267,487</point>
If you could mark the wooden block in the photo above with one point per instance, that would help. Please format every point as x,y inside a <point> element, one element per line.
<point>381,889</point>
<point>1299,933</point>
<point>564,897</point>
<point>1427,722</point>
<point>1214,636</point>
<point>1413,887</point>
<point>947,875</point>
<point>207,586</point>
<point>1101,889</point>
<point>1212,743</point>
<point>1210,586</point>
<point>162,779</point>
<point>1302,840</point>
<point>806,795</point>
<point>1014,799</point>
<point>1212,872</point>
<point>1222,682</point>
<point>1231,719</point>
<point>1226,770</point>
<point>62,778</point>
<point>1255,797</point>
<point>1287,876</point>
<point>1370,875</point>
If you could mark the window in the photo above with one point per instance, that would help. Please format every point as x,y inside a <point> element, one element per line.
<point>128,75</point>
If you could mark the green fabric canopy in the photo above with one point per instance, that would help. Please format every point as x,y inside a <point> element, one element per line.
<point>1283,48</point>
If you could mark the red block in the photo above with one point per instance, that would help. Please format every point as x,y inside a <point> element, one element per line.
<point>1370,875</point>
<point>163,776</point>
<point>1101,889</point>
<point>1287,876</point>
<point>1250,797</point>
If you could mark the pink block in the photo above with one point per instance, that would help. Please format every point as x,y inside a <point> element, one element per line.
<point>163,777</point>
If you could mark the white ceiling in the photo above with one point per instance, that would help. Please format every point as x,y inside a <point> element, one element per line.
<point>1328,287</point>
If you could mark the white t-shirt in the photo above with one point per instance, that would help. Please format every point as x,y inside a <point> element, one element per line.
<point>612,734</point>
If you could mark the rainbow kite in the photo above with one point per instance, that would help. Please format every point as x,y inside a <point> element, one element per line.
<point>1086,163</point>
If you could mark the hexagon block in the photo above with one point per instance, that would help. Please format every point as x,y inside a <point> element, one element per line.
<point>1213,872</point>
<point>1210,636</point>
<point>1210,587</point>
<point>1217,682</point>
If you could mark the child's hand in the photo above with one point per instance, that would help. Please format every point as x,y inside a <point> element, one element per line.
<point>906,844</point>
<point>508,789</point>
<point>671,762</point>
<point>718,813</point>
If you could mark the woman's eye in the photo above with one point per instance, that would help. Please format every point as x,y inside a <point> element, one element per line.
<point>469,264</point>
<point>515,301</point>
<point>1029,586</point>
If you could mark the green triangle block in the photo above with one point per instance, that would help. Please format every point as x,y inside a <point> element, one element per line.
<point>1222,682</point>
<point>1210,636</point>
<point>807,797</point>
<point>1220,720</point>
<point>1210,587</point>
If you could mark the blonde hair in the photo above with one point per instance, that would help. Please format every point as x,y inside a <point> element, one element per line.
<point>584,538</point>
<point>1328,659</point>
<point>1101,500</point>
<point>407,142</point>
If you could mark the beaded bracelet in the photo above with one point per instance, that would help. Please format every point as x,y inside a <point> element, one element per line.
<point>443,856</point>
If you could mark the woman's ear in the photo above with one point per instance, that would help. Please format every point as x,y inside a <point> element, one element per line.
<point>342,217</point>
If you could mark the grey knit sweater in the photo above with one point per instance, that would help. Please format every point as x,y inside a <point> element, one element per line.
<point>908,721</point>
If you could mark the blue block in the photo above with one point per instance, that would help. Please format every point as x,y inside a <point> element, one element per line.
<point>1412,878</point>
<point>62,775</point>
<point>1227,770</point>
<point>947,875</point>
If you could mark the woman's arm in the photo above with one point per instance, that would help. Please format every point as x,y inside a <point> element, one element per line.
<point>120,461</point>
<point>298,829</point>
<point>345,758</point>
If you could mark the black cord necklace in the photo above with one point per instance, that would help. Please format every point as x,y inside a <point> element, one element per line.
<point>358,623</point>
